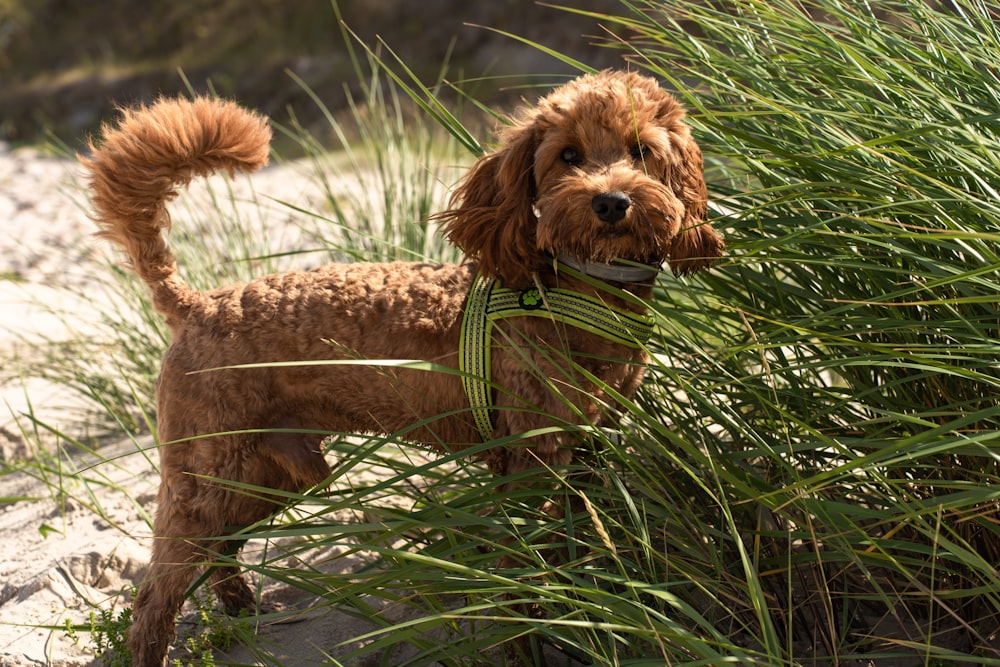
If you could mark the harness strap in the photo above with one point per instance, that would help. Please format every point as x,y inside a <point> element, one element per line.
<point>489,302</point>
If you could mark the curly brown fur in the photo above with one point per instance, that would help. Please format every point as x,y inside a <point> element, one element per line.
<point>607,164</point>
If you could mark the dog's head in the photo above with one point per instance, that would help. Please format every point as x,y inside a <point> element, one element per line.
<point>604,168</point>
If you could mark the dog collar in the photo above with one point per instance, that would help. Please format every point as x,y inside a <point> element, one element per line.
<point>621,273</point>
<point>489,302</point>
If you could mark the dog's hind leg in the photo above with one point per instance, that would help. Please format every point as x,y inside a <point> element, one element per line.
<point>228,584</point>
<point>197,506</point>
<point>172,568</point>
<point>301,464</point>
<point>181,551</point>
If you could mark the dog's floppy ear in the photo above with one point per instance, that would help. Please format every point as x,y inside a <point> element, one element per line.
<point>696,245</point>
<point>491,216</point>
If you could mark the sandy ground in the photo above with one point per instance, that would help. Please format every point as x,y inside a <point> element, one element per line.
<point>57,560</point>
<point>61,558</point>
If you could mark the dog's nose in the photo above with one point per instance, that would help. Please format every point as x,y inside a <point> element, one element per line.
<point>611,206</point>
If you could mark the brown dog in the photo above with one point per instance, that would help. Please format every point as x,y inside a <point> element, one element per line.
<point>603,170</point>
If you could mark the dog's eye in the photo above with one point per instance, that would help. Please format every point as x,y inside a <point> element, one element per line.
<point>639,152</point>
<point>571,156</point>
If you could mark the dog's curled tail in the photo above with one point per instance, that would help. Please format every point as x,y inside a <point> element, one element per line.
<point>141,161</point>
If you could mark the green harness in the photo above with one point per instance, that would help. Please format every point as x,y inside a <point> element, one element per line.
<point>489,302</point>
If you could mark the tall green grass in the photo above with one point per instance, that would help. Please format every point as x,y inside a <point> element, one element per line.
<point>837,431</point>
<point>809,474</point>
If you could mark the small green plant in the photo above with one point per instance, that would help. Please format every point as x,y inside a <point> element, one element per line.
<point>108,634</point>
<point>214,631</point>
